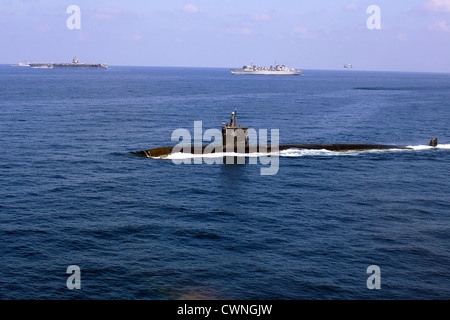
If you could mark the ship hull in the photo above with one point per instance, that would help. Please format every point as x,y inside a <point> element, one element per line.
<point>162,152</point>
<point>265,72</point>
<point>68,66</point>
<point>79,66</point>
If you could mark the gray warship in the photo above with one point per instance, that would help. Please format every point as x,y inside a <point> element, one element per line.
<point>74,65</point>
<point>271,70</point>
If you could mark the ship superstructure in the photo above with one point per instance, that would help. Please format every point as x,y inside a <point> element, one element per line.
<point>263,70</point>
<point>21,64</point>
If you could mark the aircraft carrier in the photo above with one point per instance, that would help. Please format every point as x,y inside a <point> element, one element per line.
<point>74,65</point>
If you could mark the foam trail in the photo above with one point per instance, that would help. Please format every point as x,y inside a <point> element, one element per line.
<point>327,153</point>
<point>426,147</point>
<point>181,155</point>
<point>324,152</point>
<point>295,153</point>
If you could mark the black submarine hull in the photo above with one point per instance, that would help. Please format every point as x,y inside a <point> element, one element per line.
<point>162,152</point>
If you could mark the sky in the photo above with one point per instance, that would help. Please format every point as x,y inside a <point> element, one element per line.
<point>413,35</point>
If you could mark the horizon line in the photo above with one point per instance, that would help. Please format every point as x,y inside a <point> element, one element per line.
<point>211,67</point>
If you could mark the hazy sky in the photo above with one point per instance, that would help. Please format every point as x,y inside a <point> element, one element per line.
<point>306,34</point>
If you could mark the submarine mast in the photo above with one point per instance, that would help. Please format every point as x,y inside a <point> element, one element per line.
<point>233,135</point>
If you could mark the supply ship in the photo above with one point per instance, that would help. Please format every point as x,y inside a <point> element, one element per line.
<point>74,65</point>
<point>272,70</point>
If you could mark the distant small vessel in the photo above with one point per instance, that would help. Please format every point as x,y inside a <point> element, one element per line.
<point>348,66</point>
<point>21,64</point>
<point>276,70</point>
<point>74,65</point>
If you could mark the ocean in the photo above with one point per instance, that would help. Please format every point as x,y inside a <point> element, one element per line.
<point>72,194</point>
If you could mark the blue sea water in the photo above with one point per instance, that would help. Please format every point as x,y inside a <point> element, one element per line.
<point>72,194</point>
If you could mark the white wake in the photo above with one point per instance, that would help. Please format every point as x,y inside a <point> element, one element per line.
<point>300,153</point>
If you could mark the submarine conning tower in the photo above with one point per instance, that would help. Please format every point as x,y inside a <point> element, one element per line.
<point>234,136</point>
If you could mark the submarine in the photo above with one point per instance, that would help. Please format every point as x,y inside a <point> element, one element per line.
<point>235,139</point>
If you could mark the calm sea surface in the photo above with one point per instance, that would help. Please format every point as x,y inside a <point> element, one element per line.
<point>72,194</point>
